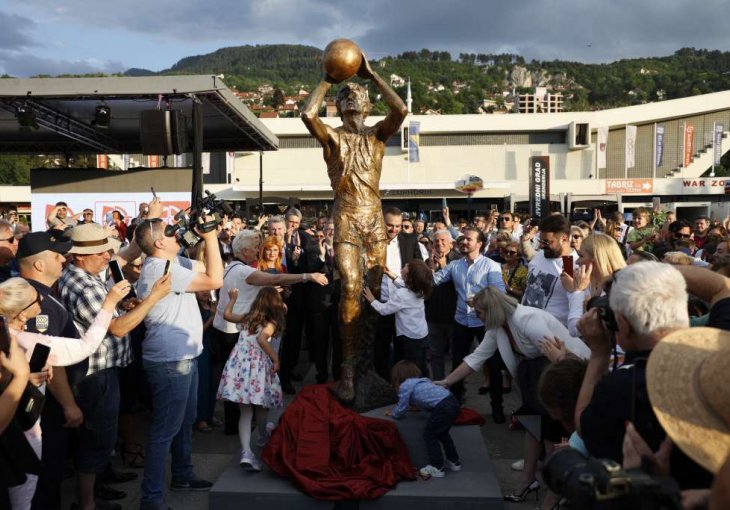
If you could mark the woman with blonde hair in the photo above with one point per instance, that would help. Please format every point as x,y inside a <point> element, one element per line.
<point>598,258</point>
<point>518,332</point>
<point>20,302</point>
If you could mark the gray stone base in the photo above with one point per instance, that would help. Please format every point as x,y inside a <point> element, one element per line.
<point>475,487</point>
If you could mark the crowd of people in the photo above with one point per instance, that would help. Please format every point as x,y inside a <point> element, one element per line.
<point>571,313</point>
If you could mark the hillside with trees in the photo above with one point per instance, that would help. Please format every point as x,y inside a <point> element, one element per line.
<point>440,81</point>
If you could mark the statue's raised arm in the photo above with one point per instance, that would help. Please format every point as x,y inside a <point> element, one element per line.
<point>397,108</point>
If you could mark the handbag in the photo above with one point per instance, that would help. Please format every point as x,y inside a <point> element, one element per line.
<point>30,407</point>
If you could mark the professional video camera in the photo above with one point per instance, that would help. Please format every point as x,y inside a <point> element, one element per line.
<point>601,484</point>
<point>188,220</point>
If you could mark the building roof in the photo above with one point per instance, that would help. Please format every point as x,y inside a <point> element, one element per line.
<point>64,109</point>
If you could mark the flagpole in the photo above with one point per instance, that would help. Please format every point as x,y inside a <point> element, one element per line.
<point>654,153</point>
<point>712,168</point>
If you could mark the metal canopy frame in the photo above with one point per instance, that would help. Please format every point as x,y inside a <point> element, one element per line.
<point>64,110</point>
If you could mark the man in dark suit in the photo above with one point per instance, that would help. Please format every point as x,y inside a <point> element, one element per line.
<point>302,256</point>
<point>321,321</point>
<point>402,247</point>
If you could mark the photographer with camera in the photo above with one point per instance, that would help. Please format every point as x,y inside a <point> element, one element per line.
<point>172,344</point>
<point>645,303</point>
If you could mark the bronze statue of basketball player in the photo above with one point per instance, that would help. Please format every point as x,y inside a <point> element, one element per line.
<point>354,156</point>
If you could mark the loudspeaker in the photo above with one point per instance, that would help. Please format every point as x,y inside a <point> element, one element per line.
<point>162,132</point>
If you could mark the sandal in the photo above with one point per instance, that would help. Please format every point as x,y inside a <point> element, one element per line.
<point>133,457</point>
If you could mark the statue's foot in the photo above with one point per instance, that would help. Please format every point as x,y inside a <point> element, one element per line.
<point>346,384</point>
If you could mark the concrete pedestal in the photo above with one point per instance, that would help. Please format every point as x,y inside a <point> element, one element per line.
<point>475,487</point>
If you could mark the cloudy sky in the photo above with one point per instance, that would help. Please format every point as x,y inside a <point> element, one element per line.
<point>80,36</point>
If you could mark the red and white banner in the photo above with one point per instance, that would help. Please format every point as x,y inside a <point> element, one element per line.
<point>689,138</point>
<point>101,204</point>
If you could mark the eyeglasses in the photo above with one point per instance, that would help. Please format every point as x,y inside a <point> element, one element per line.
<point>577,236</point>
<point>683,236</point>
<point>544,242</point>
<point>38,299</point>
<point>505,218</point>
<point>510,252</point>
<point>407,227</point>
<point>9,240</point>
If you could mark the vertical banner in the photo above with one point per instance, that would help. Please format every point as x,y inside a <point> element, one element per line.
<point>414,131</point>
<point>125,161</point>
<point>539,186</point>
<point>102,161</point>
<point>630,146</point>
<point>602,146</point>
<point>717,143</point>
<point>179,160</point>
<point>230,166</point>
<point>659,145</point>
<point>205,162</point>
<point>153,161</point>
<point>689,138</point>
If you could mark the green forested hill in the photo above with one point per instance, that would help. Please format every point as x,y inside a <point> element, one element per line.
<point>587,86</point>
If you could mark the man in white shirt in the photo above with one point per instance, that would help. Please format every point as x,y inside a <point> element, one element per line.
<point>544,289</point>
<point>401,248</point>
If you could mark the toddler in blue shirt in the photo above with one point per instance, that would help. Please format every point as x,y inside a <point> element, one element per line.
<point>421,392</point>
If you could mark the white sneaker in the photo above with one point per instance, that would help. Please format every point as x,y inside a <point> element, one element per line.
<point>265,435</point>
<point>429,471</point>
<point>452,466</point>
<point>249,462</point>
<point>518,465</point>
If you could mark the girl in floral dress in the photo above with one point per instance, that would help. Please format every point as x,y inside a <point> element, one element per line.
<point>249,377</point>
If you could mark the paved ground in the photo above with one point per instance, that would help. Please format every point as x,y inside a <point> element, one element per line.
<point>212,453</point>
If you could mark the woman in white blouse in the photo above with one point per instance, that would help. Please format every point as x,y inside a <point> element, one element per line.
<point>519,332</point>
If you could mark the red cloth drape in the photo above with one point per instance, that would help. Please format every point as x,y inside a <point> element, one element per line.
<point>330,452</point>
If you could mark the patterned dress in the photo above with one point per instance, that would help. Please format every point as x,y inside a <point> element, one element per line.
<point>248,377</point>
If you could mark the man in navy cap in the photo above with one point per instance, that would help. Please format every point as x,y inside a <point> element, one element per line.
<point>40,260</point>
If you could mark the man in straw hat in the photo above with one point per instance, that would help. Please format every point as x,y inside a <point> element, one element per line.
<point>648,301</point>
<point>83,291</point>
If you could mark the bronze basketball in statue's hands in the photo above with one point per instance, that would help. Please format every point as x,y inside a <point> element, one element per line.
<point>341,60</point>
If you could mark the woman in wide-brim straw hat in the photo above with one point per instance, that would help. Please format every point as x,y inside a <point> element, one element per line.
<point>689,389</point>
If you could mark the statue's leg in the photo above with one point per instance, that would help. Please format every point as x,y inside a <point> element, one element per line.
<point>347,258</point>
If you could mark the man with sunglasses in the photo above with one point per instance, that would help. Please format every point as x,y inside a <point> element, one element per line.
<point>506,223</point>
<point>544,289</point>
<point>8,249</point>
<point>677,230</point>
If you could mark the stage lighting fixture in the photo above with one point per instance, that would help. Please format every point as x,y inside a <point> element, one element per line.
<point>26,116</point>
<point>102,116</point>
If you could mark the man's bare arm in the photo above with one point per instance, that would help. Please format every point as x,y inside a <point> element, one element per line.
<point>398,110</point>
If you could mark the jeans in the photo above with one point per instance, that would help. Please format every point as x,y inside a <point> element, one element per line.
<point>439,337</point>
<point>98,398</point>
<point>460,348</point>
<point>437,432</point>
<point>174,387</point>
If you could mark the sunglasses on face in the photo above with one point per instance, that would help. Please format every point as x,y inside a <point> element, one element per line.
<point>510,252</point>
<point>683,236</point>
<point>38,299</point>
<point>577,236</point>
<point>505,218</point>
<point>9,240</point>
